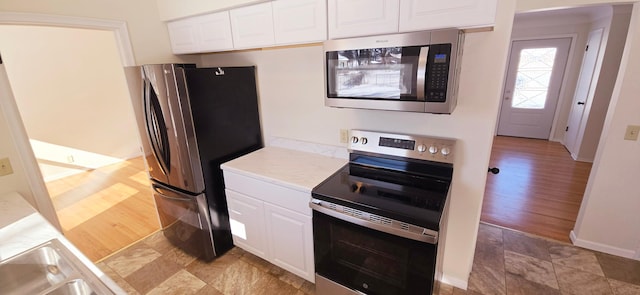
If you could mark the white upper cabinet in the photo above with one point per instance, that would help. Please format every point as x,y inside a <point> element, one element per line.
<point>299,21</point>
<point>183,36</point>
<point>214,31</point>
<point>349,18</point>
<point>416,15</point>
<point>252,26</point>
<point>210,32</point>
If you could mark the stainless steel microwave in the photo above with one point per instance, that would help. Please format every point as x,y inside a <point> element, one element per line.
<point>411,72</point>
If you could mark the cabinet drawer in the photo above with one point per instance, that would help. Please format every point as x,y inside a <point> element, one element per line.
<point>284,197</point>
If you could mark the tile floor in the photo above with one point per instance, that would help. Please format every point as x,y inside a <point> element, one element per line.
<point>506,262</point>
<point>509,262</point>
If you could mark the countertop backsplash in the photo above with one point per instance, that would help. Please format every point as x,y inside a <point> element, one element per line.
<point>309,147</point>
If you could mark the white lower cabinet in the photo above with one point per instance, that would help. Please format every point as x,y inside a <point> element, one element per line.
<point>290,239</point>
<point>279,235</point>
<point>247,223</point>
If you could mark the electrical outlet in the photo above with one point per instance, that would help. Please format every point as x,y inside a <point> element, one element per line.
<point>5,167</point>
<point>344,136</point>
<point>632,132</point>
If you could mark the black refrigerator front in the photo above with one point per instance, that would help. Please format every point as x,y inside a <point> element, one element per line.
<point>194,119</point>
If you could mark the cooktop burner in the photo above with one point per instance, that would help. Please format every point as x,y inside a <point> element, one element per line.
<point>405,203</point>
<point>395,176</point>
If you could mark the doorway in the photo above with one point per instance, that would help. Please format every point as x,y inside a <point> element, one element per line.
<point>532,87</point>
<point>82,135</point>
<point>540,186</point>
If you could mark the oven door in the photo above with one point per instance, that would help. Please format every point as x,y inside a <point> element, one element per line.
<point>350,258</point>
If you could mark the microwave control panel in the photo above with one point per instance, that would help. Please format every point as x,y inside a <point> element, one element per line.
<point>437,72</point>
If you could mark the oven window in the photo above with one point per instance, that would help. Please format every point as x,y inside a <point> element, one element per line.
<point>373,257</point>
<point>371,261</point>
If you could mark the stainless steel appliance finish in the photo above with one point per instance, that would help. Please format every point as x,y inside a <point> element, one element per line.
<point>425,77</point>
<point>191,120</point>
<point>49,268</point>
<point>379,222</point>
<point>176,161</point>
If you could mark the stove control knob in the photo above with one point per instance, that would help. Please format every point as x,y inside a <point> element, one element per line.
<point>422,148</point>
<point>445,151</point>
<point>433,149</point>
<point>363,140</point>
<point>354,139</point>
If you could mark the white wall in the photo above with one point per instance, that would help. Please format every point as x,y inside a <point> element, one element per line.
<point>16,182</point>
<point>70,96</point>
<point>148,33</point>
<point>608,220</point>
<point>291,83</point>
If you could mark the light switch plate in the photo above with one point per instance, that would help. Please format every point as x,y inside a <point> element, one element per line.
<point>5,167</point>
<point>632,132</point>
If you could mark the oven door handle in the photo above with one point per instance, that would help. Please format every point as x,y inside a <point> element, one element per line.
<point>427,235</point>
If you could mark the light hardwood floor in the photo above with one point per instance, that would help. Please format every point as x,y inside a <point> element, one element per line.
<point>106,209</point>
<point>538,190</point>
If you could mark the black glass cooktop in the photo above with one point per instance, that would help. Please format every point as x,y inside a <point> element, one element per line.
<point>390,188</point>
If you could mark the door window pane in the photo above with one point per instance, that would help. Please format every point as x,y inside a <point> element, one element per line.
<point>533,77</point>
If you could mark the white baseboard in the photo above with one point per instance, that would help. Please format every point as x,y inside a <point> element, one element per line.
<point>456,282</point>
<point>626,253</point>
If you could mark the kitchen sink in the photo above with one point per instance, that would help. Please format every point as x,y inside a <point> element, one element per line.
<point>49,268</point>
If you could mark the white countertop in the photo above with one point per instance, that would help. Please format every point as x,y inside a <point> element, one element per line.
<point>23,228</point>
<point>297,170</point>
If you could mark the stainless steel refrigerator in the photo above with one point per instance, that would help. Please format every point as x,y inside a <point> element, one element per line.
<point>192,120</point>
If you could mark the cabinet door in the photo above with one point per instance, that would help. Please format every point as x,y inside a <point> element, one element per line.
<point>246,216</point>
<point>290,240</point>
<point>252,26</point>
<point>299,21</point>
<point>214,32</point>
<point>348,18</point>
<point>183,36</point>
<point>418,15</point>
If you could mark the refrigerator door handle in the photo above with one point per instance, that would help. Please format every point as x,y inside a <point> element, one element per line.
<point>156,129</point>
<point>166,194</point>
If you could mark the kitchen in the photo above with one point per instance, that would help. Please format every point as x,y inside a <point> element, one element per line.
<point>296,95</point>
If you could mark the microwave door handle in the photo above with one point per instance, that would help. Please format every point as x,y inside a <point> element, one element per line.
<point>421,73</point>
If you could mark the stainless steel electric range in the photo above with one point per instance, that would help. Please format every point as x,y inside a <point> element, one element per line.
<point>378,222</point>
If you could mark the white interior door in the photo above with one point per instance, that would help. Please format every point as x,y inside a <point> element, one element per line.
<point>572,135</point>
<point>533,82</point>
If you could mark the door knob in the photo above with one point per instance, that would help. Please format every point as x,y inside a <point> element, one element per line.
<point>580,102</point>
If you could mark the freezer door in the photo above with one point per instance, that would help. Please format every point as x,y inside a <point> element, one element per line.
<point>185,221</point>
<point>172,153</point>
